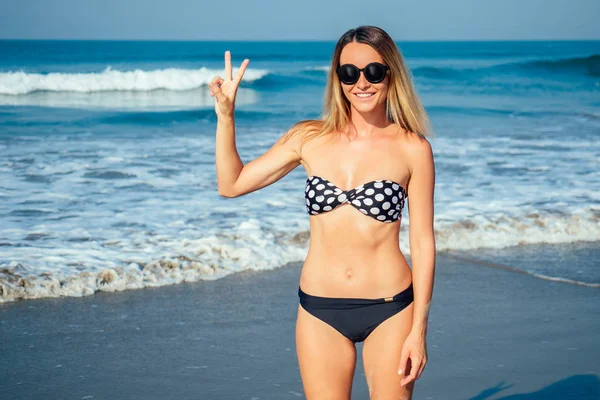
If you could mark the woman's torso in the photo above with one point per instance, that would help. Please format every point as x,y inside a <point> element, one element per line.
<point>352,254</point>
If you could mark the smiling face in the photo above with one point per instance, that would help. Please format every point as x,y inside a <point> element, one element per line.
<point>364,96</point>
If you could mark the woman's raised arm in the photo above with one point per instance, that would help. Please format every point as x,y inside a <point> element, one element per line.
<point>233,177</point>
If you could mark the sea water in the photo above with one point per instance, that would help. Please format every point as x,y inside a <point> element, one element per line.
<point>107,168</point>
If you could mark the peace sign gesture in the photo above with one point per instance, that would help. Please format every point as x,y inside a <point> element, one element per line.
<point>224,90</point>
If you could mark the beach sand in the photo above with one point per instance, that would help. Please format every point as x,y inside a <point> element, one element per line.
<point>493,334</point>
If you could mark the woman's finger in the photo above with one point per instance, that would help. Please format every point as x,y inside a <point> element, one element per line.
<point>228,71</point>
<point>217,80</point>
<point>240,74</point>
<point>402,365</point>
<point>216,89</point>
<point>413,373</point>
<point>405,357</point>
<point>422,367</point>
<point>419,372</point>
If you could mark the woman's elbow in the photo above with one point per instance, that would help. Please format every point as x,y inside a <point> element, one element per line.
<point>423,242</point>
<point>227,192</point>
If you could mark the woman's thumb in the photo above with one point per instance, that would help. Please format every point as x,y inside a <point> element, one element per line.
<point>403,360</point>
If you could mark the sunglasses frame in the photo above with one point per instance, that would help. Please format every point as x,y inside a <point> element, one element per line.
<point>338,69</point>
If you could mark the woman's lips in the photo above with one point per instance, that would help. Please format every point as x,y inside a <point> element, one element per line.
<point>364,95</point>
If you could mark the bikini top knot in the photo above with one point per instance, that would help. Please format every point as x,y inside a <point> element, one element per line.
<point>380,199</point>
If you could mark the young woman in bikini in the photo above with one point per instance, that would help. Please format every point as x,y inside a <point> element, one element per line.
<point>365,158</point>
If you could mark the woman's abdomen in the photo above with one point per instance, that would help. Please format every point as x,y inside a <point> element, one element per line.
<point>352,269</point>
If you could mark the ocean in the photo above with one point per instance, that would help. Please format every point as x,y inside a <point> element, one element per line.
<point>107,174</point>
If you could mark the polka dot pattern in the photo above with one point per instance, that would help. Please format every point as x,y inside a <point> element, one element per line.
<point>381,199</point>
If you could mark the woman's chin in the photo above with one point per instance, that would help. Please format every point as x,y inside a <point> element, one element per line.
<point>364,107</point>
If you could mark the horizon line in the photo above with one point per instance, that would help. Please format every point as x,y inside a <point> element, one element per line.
<point>287,40</point>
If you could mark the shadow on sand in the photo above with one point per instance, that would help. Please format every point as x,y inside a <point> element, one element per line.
<point>579,387</point>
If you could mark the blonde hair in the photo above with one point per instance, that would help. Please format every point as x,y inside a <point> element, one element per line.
<point>403,106</point>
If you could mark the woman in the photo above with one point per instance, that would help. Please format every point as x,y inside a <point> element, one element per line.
<point>364,158</point>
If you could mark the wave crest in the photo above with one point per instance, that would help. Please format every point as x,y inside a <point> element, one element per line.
<point>20,82</point>
<point>588,65</point>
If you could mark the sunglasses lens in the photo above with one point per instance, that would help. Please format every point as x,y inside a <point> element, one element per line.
<point>375,72</point>
<point>348,74</point>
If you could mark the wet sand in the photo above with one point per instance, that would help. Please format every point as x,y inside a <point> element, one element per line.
<point>493,334</point>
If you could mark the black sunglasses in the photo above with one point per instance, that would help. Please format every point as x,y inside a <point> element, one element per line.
<point>374,72</point>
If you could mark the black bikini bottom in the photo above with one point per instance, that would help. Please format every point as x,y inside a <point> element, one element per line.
<point>355,318</point>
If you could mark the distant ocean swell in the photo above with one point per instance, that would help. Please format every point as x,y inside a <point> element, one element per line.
<point>175,79</point>
<point>255,247</point>
<point>589,66</point>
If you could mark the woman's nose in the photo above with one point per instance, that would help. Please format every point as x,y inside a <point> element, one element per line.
<point>362,82</point>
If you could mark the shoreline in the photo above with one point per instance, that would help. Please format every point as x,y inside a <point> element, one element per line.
<point>111,280</point>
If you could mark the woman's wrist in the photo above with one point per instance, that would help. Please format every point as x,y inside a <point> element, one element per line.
<point>419,329</point>
<point>225,118</point>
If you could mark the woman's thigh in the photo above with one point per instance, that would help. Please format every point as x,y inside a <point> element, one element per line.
<point>381,357</point>
<point>327,359</point>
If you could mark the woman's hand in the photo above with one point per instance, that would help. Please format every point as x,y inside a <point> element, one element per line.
<point>224,90</point>
<point>415,349</point>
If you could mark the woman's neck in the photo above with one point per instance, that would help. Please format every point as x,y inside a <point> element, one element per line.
<point>366,124</point>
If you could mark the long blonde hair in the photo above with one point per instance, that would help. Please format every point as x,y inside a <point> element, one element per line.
<point>403,106</point>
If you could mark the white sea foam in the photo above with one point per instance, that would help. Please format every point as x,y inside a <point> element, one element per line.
<point>153,100</point>
<point>500,230</point>
<point>138,260</point>
<point>20,83</point>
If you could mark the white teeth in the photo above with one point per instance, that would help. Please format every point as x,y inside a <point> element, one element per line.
<point>364,94</point>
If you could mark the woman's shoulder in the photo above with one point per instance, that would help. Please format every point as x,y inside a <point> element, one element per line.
<point>414,145</point>
<point>301,131</point>
<point>306,127</point>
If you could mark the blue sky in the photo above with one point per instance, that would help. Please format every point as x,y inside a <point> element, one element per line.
<point>300,20</point>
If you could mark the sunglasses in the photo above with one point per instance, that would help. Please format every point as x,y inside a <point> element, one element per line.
<point>350,74</point>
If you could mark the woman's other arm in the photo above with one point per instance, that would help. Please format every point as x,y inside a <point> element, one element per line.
<point>422,254</point>
<point>421,233</point>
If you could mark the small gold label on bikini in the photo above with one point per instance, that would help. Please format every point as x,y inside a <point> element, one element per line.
<point>388,299</point>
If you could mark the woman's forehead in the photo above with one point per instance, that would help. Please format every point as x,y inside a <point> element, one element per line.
<point>359,54</point>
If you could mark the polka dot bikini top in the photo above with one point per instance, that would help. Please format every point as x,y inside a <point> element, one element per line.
<point>381,199</point>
